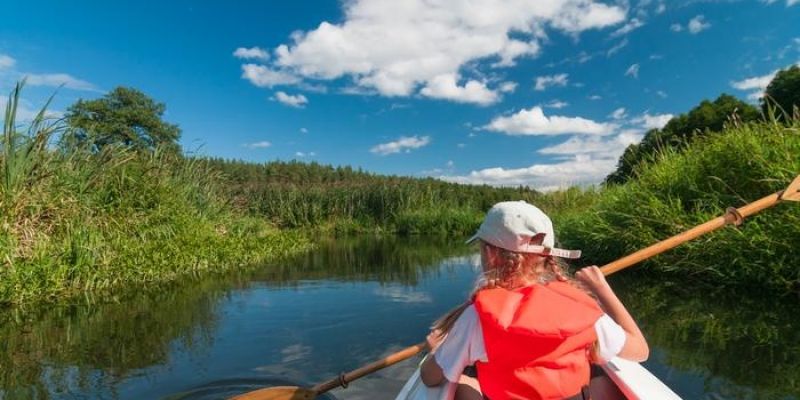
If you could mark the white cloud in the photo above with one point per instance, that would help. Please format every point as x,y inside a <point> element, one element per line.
<point>595,97</point>
<point>301,154</point>
<point>297,101</point>
<point>579,170</point>
<point>557,104</point>
<point>253,53</point>
<point>55,80</point>
<point>661,94</point>
<point>633,24</point>
<point>676,27</point>
<point>404,143</point>
<point>446,87</point>
<point>790,3</point>
<point>534,122</point>
<point>543,82</point>
<point>633,71</point>
<point>697,25</point>
<point>258,145</point>
<point>599,147</point>
<point>26,111</point>
<point>618,113</point>
<point>303,130</point>
<point>648,121</point>
<point>262,76</point>
<point>508,87</point>
<point>6,61</point>
<point>758,84</point>
<point>661,8</point>
<point>396,48</point>
<point>617,47</point>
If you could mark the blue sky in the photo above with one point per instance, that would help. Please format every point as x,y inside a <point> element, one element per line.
<point>543,93</point>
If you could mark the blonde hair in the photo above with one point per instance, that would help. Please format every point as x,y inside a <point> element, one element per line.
<point>510,270</point>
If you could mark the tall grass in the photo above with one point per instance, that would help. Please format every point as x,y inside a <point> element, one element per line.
<point>739,165</point>
<point>75,221</point>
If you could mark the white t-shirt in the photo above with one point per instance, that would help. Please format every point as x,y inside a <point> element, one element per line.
<point>463,345</point>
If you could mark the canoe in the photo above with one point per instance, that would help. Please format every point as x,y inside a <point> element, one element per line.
<point>621,379</point>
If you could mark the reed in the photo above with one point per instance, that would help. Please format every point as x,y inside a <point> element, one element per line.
<point>75,221</point>
<point>680,190</point>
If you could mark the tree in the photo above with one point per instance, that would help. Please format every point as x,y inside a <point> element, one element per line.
<point>680,131</point>
<point>123,116</point>
<point>784,92</point>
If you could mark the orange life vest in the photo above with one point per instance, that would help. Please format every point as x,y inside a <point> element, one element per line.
<point>537,341</point>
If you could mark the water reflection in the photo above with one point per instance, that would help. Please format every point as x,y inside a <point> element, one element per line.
<point>716,344</point>
<point>157,343</point>
<point>348,303</point>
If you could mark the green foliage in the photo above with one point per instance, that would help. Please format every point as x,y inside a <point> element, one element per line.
<point>95,221</point>
<point>687,188</point>
<point>294,194</point>
<point>783,93</point>
<point>124,116</point>
<point>680,131</point>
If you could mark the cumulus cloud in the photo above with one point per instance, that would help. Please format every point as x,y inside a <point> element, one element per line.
<point>756,84</point>
<point>633,71</point>
<point>253,53</point>
<point>694,26</point>
<point>296,101</point>
<point>301,154</point>
<point>543,82</point>
<point>6,61</point>
<point>648,121</point>
<point>508,87</point>
<point>578,170</point>
<point>258,145</point>
<point>262,76</point>
<point>697,25</point>
<point>397,48</point>
<point>581,159</point>
<point>55,80</point>
<point>598,147</point>
<point>446,87</point>
<point>403,144</point>
<point>535,122</point>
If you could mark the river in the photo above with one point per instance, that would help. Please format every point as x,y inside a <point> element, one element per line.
<point>349,302</point>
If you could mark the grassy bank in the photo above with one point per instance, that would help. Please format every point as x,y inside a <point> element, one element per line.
<point>341,199</point>
<point>75,221</point>
<point>737,166</point>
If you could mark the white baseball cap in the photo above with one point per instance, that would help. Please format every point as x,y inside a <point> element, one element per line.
<point>512,224</point>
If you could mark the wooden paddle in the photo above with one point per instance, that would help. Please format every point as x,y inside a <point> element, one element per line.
<point>733,216</point>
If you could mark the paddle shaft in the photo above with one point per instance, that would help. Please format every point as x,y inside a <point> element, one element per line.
<point>732,216</point>
<point>392,359</point>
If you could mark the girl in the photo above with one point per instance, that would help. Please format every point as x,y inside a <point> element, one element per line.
<point>530,331</point>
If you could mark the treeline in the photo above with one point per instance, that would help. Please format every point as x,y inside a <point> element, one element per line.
<point>296,194</point>
<point>779,103</point>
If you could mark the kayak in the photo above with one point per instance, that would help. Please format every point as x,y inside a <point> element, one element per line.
<point>621,379</point>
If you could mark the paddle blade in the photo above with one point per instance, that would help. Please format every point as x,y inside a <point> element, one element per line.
<point>278,393</point>
<point>792,193</point>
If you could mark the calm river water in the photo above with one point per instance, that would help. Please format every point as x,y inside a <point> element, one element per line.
<point>345,304</point>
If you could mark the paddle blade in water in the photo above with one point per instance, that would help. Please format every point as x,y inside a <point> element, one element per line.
<point>278,393</point>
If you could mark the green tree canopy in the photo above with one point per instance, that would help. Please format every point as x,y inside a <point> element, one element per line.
<point>783,91</point>
<point>123,116</point>
<point>706,117</point>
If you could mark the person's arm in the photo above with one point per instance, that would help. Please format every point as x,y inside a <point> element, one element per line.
<point>430,372</point>
<point>635,347</point>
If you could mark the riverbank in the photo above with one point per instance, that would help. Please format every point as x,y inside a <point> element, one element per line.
<point>75,222</point>
<point>683,189</point>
